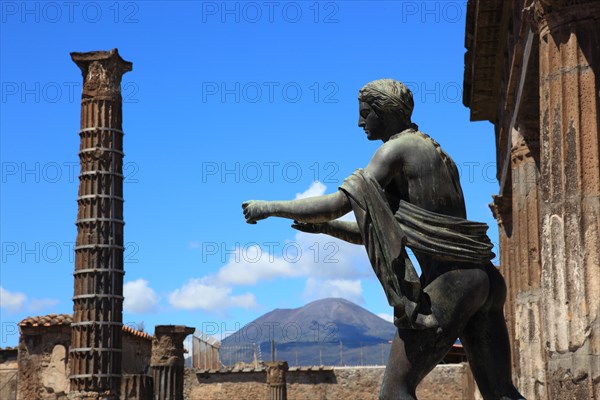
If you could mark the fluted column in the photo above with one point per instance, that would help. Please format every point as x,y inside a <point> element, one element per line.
<point>167,361</point>
<point>95,353</point>
<point>528,337</point>
<point>502,210</point>
<point>569,37</point>
<point>276,382</point>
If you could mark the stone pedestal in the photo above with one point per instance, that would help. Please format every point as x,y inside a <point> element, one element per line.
<point>167,361</point>
<point>276,371</point>
<point>569,40</point>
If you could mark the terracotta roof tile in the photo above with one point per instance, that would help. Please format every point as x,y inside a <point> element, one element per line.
<point>66,319</point>
<point>135,332</point>
<point>48,320</point>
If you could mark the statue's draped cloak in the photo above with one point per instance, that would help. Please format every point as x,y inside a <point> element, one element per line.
<point>385,236</point>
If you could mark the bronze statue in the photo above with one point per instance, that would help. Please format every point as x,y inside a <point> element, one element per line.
<point>410,195</point>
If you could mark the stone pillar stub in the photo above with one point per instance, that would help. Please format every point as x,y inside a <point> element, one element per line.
<point>276,371</point>
<point>167,361</point>
<point>167,346</point>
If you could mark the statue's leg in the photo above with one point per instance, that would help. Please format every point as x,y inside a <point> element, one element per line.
<point>485,340</point>
<point>455,296</point>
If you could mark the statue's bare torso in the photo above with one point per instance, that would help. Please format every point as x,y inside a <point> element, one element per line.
<point>426,176</point>
<point>422,174</point>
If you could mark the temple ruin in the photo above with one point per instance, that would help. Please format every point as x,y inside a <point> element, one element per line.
<point>532,69</point>
<point>92,355</point>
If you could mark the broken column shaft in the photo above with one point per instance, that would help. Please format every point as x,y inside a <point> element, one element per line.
<point>95,353</point>
<point>167,361</point>
<point>276,371</point>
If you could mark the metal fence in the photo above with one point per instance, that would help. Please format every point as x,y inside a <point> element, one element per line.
<point>205,352</point>
<point>241,355</point>
<point>306,353</point>
<point>208,353</point>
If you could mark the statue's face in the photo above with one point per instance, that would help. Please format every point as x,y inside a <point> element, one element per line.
<point>370,122</point>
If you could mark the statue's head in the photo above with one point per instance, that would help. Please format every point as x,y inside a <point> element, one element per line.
<point>388,98</point>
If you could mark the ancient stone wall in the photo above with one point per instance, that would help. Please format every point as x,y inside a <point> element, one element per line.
<point>43,363</point>
<point>449,381</point>
<point>43,360</point>
<point>136,355</point>
<point>217,386</point>
<point>8,374</point>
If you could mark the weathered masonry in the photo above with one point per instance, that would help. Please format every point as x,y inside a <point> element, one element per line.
<point>532,69</point>
<point>96,343</point>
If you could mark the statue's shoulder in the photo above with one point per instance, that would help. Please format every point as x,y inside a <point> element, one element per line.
<point>412,139</point>
<point>433,148</point>
<point>415,144</point>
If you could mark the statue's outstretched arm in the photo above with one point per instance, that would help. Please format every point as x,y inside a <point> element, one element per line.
<point>383,167</point>
<point>312,209</point>
<point>344,230</point>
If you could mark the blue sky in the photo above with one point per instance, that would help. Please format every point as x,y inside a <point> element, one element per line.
<point>227,101</point>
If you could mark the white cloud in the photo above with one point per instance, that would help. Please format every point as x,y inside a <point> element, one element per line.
<point>332,267</point>
<point>206,295</point>
<point>11,301</point>
<point>387,317</point>
<point>322,288</point>
<point>41,304</point>
<point>307,255</point>
<point>139,297</point>
<point>251,264</point>
<point>328,257</point>
<point>315,189</point>
<point>17,301</point>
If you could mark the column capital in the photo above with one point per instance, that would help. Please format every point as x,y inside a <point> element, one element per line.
<point>501,208</point>
<point>102,72</point>
<point>167,344</point>
<point>276,372</point>
<point>549,14</point>
<point>521,149</point>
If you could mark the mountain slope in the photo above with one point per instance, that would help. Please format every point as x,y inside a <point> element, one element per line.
<point>330,331</point>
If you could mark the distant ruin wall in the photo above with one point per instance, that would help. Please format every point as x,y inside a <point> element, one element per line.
<point>9,374</point>
<point>42,368</point>
<point>449,381</point>
<point>42,363</point>
<point>217,386</point>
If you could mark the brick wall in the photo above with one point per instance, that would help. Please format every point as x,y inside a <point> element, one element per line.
<point>448,381</point>
<point>8,374</point>
<point>224,386</point>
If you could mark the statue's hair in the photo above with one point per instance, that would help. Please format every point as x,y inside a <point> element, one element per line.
<point>388,96</point>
